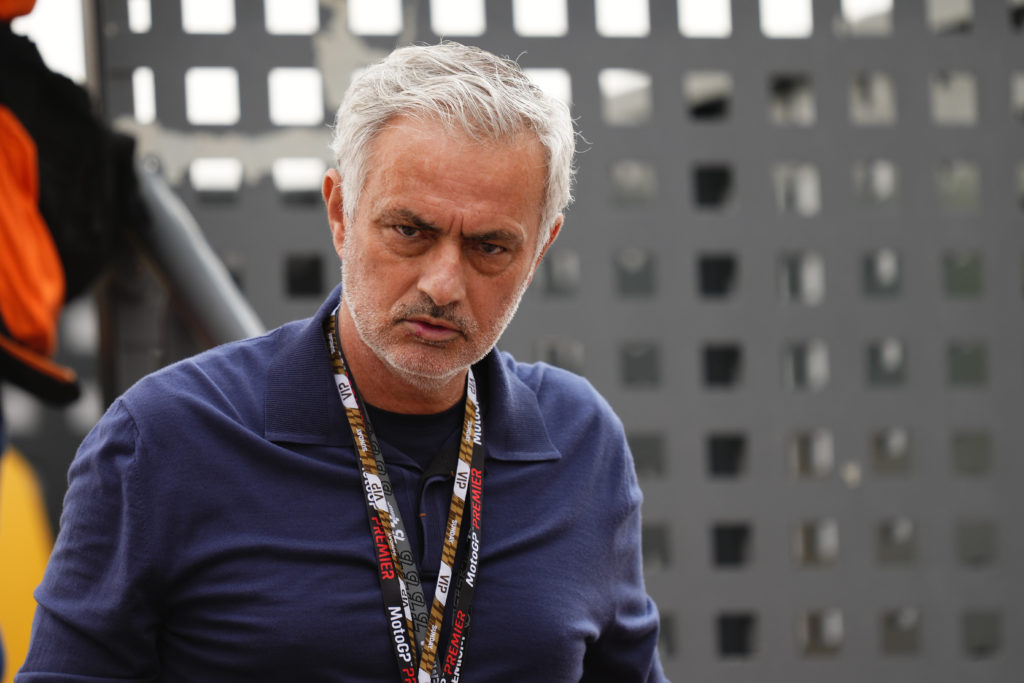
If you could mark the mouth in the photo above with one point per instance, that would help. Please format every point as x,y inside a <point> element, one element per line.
<point>431,330</point>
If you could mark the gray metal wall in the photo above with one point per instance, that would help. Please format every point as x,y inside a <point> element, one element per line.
<point>795,267</point>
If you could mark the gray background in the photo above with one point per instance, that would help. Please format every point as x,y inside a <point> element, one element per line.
<point>828,440</point>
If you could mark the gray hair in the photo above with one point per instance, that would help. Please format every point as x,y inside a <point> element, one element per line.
<point>465,89</point>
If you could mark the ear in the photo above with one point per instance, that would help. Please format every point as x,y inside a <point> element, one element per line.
<point>551,238</point>
<point>331,192</point>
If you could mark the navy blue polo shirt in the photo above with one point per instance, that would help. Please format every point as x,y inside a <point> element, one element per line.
<point>214,529</point>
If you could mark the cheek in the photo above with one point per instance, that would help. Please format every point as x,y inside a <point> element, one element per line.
<point>491,302</point>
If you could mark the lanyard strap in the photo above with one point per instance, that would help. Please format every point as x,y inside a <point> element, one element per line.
<point>414,630</point>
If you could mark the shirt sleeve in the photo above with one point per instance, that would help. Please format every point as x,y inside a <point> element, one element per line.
<point>627,648</point>
<point>95,620</point>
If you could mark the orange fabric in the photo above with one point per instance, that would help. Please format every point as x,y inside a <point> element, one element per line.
<point>15,8</point>
<point>31,274</point>
<point>37,363</point>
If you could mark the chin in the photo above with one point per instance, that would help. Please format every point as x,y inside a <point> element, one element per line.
<point>423,368</point>
<point>424,376</point>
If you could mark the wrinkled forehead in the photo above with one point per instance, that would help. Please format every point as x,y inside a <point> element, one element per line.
<point>409,132</point>
<point>495,135</point>
<point>408,148</point>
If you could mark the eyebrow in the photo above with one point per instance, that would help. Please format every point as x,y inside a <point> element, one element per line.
<point>406,216</point>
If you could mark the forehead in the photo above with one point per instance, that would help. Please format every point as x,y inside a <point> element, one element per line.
<point>411,157</point>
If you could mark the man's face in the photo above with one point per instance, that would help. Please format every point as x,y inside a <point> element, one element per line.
<point>442,246</point>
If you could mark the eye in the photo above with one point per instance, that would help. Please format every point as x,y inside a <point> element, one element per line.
<point>491,249</point>
<point>407,231</point>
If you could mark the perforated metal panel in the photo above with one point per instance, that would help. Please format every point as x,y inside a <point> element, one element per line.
<point>795,266</point>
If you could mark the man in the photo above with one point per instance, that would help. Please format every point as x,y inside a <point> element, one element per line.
<point>376,493</point>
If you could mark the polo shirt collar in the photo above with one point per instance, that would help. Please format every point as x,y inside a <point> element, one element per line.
<point>302,404</point>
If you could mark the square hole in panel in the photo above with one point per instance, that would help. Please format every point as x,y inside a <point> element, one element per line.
<point>802,278</point>
<point>958,183</point>
<point>633,182</point>
<point>712,186</point>
<point>896,541</point>
<point>211,96</point>
<point>1016,14</point>
<point>304,275</point>
<point>811,454</point>
<point>708,95</point>
<point>554,81</point>
<point>786,18</point>
<point>736,634</point>
<point>872,99</point>
<point>731,544</point>
<point>374,17</point>
<point>542,18</point>
<point>648,453</point>
<point>972,452</point>
<point>963,274</point>
<point>954,98</point>
<point>617,19</point>
<point>717,275</point>
<point>641,364</point>
<point>291,17</point>
<point>216,177</point>
<point>820,632</point>
<point>296,96</point>
<point>882,273</point>
<point>140,16</point>
<point>626,98</point>
<point>876,181</point>
<point>976,542</point>
<point>1017,94</point>
<point>634,272</point>
<point>890,451</point>
<point>949,16</point>
<point>981,633</point>
<point>562,352</point>
<point>860,18</point>
<point>705,18</point>
<point>208,16</point>
<point>900,631</point>
<point>457,17</point>
<point>886,363</point>
<point>806,366</point>
<point>298,177</point>
<point>722,365</point>
<point>144,95</point>
<point>562,272</point>
<point>797,188</point>
<point>656,545</point>
<point>816,543</point>
<point>727,455</point>
<point>791,100</point>
<point>967,364</point>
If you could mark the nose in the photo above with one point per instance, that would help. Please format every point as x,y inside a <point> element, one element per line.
<point>442,278</point>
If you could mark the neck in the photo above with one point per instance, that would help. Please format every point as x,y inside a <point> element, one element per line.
<point>388,388</point>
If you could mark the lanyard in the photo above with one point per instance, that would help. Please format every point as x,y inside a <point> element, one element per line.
<point>414,630</point>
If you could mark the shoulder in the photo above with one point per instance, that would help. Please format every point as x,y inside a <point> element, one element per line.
<point>558,392</point>
<point>548,414</point>
<point>229,379</point>
<point>544,409</point>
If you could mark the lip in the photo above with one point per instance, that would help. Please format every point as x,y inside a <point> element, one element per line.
<point>430,330</point>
